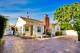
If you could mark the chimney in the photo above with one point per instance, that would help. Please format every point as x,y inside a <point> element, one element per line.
<point>46,23</point>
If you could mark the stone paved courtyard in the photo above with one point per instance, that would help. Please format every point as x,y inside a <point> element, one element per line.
<point>63,44</point>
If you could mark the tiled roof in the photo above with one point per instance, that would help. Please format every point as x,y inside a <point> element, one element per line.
<point>33,21</point>
<point>29,20</point>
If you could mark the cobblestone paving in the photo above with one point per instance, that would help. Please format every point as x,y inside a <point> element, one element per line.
<point>62,44</point>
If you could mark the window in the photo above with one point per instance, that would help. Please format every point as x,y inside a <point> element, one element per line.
<point>23,28</point>
<point>26,28</point>
<point>38,29</point>
<point>58,28</point>
<point>20,29</point>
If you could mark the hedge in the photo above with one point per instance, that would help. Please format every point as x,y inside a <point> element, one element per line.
<point>3,24</point>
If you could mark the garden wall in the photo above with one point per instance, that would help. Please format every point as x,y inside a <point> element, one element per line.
<point>70,33</point>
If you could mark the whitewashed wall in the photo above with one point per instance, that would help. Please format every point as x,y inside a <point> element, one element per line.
<point>70,33</point>
<point>8,30</point>
<point>53,30</point>
<point>57,28</point>
<point>20,23</point>
<point>35,30</point>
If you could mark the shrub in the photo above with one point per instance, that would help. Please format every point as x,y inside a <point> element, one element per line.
<point>49,33</point>
<point>0,41</point>
<point>24,34</point>
<point>3,24</point>
<point>19,34</point>
<point>58,33</point>
<point>78,36</point>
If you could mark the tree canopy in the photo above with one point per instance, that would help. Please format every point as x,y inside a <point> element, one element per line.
<point>3,23</point>
<point>68,16</point>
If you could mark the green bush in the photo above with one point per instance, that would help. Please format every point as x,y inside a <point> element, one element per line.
<point>78,36</point>
<point>24,34</point>
<point>0,41</point>
<point>19,34</point>
<point>49,33</point>
<point>3,24</point>
<point>58,33</point>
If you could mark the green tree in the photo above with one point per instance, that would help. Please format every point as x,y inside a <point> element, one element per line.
<point>3,23</point>
<point>67,15</point>
<point>77,28</point>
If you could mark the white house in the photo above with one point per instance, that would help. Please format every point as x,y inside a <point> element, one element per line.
<point>33,27</point>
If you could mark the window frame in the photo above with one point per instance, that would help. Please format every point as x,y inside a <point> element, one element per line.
<point>38,28</point>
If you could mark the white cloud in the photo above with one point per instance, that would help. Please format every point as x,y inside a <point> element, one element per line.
<point>19,2</point>
<point>8,8</point>
<point>32,13</point>
<point>10,2</point>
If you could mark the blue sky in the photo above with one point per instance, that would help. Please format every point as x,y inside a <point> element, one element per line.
<point>35,8</point>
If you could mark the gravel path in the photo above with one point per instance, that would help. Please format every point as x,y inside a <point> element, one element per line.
<point>63,44</point>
